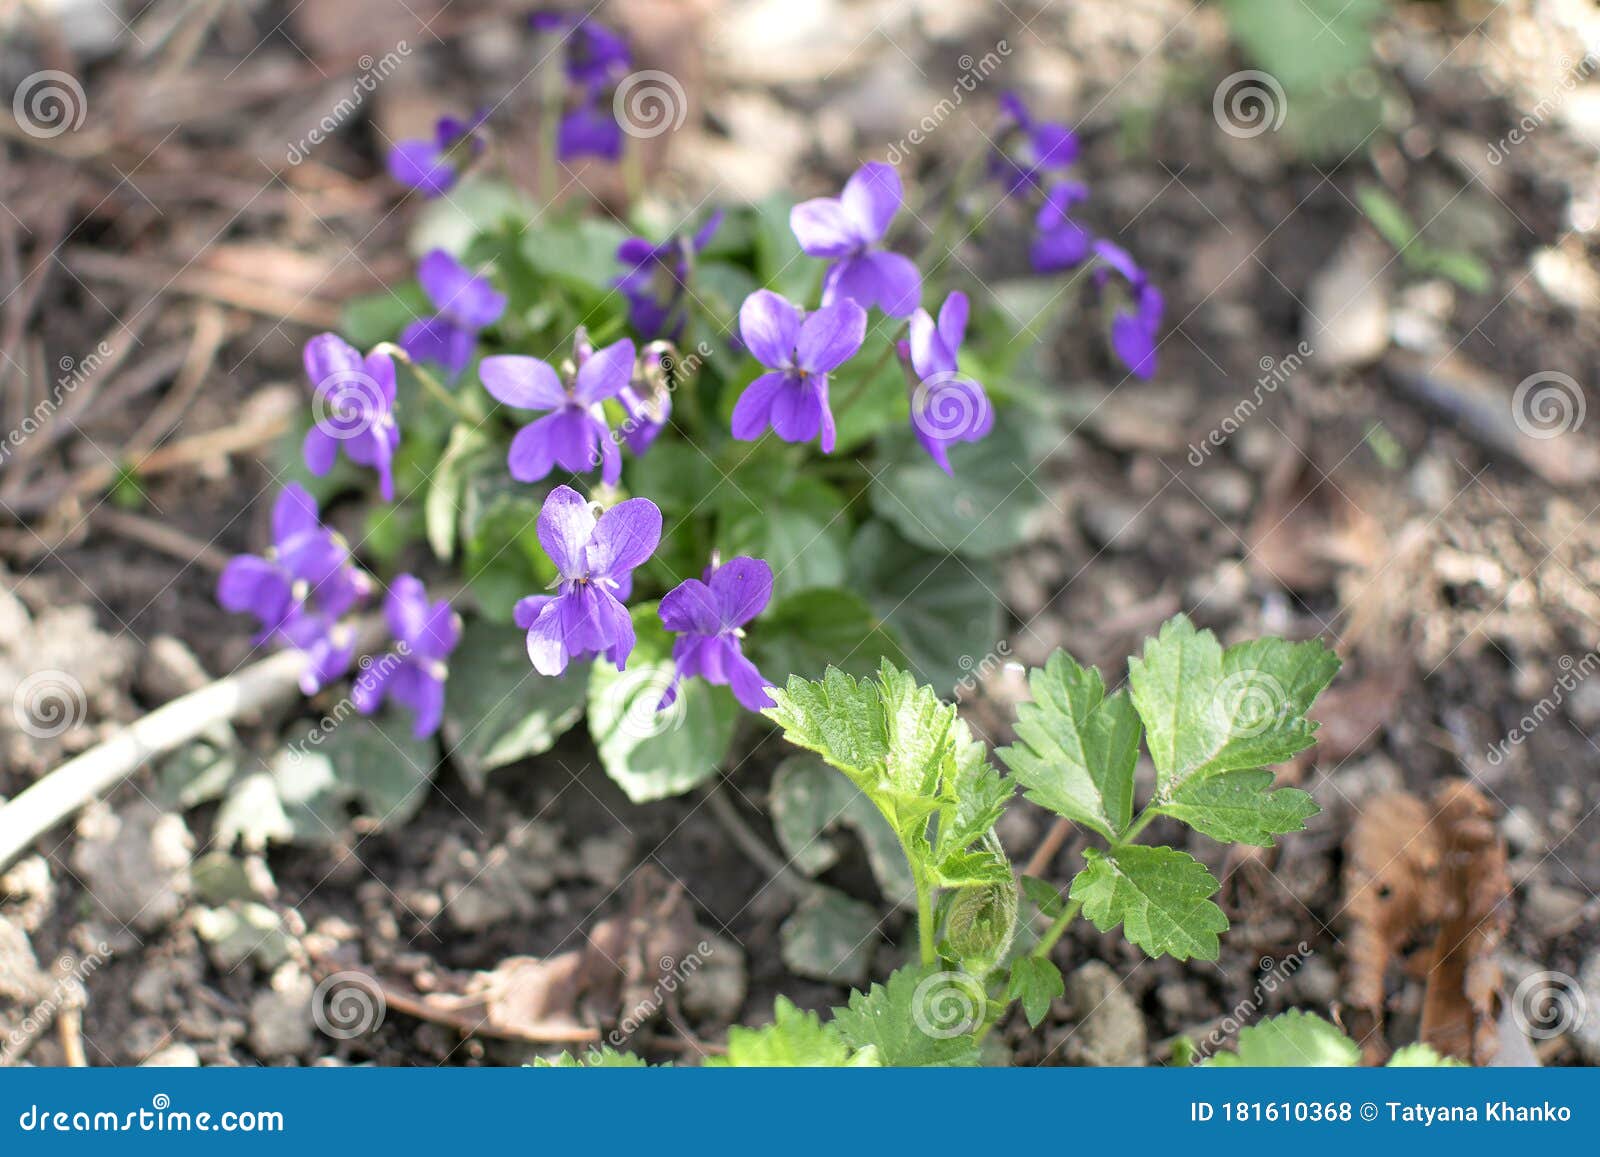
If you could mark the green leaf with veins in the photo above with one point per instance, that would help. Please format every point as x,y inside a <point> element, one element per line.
<point>801,532</point>
<point>1076,747</point>
<point>921,1017</point>
<point>796,1039</point>
<point>1206,710</point>
<point>1292,1039</point>
<point>809,799</point>
<point>1160,896</point>
<point>1034,981</point>
<point>1240,807</point>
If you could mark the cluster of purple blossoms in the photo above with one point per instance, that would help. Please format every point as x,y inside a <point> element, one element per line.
<point>413,674</point>
<point>574,434</point>
<point>430,165</point>
<point>466,303</point>
<point>594,58</point>
<point>301,589</point>
<point>353,402</point>
<point>655,279</point>
<point>1032,159</point>
<point>848,230</point>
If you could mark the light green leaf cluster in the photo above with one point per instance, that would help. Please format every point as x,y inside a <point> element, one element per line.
<point>1296,1039</point>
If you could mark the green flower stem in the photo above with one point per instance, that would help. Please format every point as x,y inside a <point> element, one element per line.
<point>860,387</point>
<point>429,382</point>
<point>925,929</point>
<point>1048,941</point>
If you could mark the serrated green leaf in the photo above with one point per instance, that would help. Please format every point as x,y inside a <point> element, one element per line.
<point>1206,710</point>
<point>653,754</point>
<point>920,1018</point>
<point>1045,895</point>
<point>796,1039</point>
<point>497,708</point>
<point>1034,981</point>
<point>1292,1039</point>
<point>1076,747</point>
<point>967,869</point>
<point>981,794</point>
<point>604,1057</point>
<point>1421,1056</point>
<point>1161,897</point>
<point>1240,807</point>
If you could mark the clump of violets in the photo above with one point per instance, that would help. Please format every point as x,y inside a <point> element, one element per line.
<point>574,434</point>
<point>708,615</point>
<point>945,407</point>
<point>655,279</point>
<point>1136,325</point>
<point>799,351</point>
<point>594,58</point>
<point>430,165</point>
<point>1059,242</point>
<point>466,303</point>
<point>848,230</point>
<point>1029,150</point>
<point>595,558</point>
<point>414,673</point>
<point>301,589</point>
<point>353,399</point>
<point>647,398</point>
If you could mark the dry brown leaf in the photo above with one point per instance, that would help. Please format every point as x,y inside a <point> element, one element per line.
<point>1414,867</point>
<point>1306,529</point>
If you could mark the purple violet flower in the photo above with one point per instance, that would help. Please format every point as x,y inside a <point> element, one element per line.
<point>594,54</point>
<point>589,129</point>
<point>647,398</point>
<point>1031,148</point>
<point>1059,242</point>
<point>595,559</point>
<point>708,617</point>
<point>466,303</point>
<point>428,165</point>
<point>300,589</point>
<point>413,674</point>
<point>945,407</point>
<point>1134,331</point>
<point>656,277</point>
<point>574,435</point>
<point>799,351</point>
<point>353,400</point>
<point>848,230</point>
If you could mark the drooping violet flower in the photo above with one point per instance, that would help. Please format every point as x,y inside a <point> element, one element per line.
<point>589,129</point>
<point>655,280</point>
<point>353,403</point>
<point>414,673</point>
<point>1136,326</point>
<point>708,616</point>
<point>848,230</point>
<point>1059,242</point>
<point>574,435</point>
<point>466,303</point>
<point>595,559</point>
<point>799,352</point>
<point>429,165</point>
<point>300,589</point>
<point>647,398</point>
<point>1029,149</point>
<point>945,407</point>
<point>594,55</point>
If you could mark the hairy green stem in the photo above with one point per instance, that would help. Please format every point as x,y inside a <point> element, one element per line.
<point>1048,941</point>
<point>925,929</point>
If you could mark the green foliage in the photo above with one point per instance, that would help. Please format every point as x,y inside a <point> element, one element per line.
<point>795,1039</point>
<point>1035,982</point>
<point>1421,257</point>
<point>1296,1039</point>
<point>920,1017</point>
<point>1239,807</point>
<point>1161,897</point>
